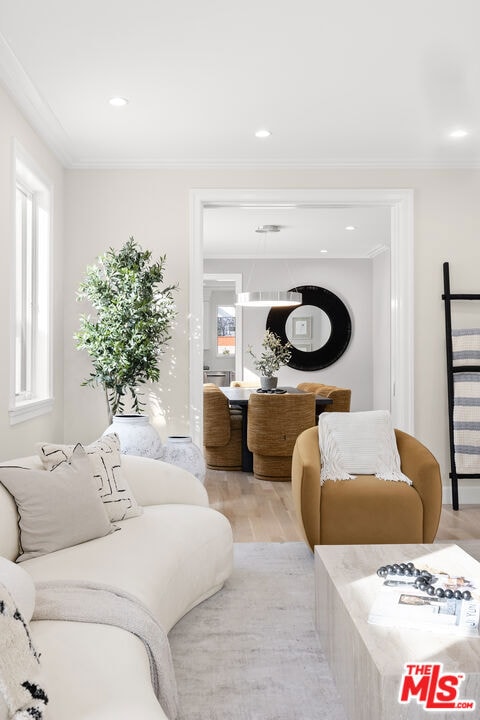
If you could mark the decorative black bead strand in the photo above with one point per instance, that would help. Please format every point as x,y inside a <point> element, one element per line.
<point>423,581</point>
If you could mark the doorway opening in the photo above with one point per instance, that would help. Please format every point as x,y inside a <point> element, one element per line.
<point>400,206</point>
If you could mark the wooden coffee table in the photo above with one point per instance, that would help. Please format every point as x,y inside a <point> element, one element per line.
<point>367,661</point>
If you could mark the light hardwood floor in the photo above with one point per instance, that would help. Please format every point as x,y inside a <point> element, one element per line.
<point>262,511</point>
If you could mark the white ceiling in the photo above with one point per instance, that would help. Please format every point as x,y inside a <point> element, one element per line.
<point>342,83</point>
<point>230,232</point>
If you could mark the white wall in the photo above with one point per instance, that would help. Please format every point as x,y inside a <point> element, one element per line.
<point>351,280</point>
<point>104,207</point>
<point>19,439</point>
<point>102,210</point>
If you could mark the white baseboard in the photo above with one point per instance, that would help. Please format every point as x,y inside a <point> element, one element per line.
<point>468,494</point>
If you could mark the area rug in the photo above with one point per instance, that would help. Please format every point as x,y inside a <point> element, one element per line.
<point>251,652</point>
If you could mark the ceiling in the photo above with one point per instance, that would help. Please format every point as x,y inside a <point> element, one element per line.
<point>304,232</point>
<point>339,84</point>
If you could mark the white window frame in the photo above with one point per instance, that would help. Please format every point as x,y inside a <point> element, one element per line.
<point>36,397</point>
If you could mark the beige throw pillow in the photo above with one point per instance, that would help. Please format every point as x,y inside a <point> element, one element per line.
<point>105,458</point>
<point>57,509</point>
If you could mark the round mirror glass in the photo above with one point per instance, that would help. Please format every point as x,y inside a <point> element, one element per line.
<point>319,329</point>
<point>308,328</point>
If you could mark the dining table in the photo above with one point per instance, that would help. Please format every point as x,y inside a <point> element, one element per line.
<point>238,397</point>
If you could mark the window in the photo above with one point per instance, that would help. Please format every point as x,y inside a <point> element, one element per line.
<point>31,337</point>
<point>226,329</point>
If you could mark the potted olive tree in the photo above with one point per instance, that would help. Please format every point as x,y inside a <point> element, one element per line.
<point>273,356</point>
<point>130,330</point>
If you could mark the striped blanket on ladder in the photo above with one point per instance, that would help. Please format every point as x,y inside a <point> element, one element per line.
<point>466,400</point>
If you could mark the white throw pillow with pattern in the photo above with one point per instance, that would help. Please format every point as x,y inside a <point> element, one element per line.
<point>105,458</point>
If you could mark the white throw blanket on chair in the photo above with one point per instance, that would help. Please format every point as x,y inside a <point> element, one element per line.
<point>358,443</point>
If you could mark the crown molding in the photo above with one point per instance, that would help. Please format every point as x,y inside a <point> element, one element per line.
<point>268,164</point>
<point>34,108</point>
<point>377,250</point>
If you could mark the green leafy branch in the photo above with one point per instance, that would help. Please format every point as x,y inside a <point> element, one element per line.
<point>132,324</point>
<point>275,354</point>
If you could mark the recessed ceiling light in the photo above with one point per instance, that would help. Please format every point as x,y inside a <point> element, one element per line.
<point>458,133</point>
<point>118,101</point>
<point>263,133</point>
<point>350,227</point>
<point>323,251</point>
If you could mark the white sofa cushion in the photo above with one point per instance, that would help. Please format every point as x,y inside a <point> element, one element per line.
<point>57,509</point>
<point>104,456</point>
<point>20,586</point>
<point>94,671</point>
<point>9,530</point>
<point>171,558</point>
<point>153,482</point>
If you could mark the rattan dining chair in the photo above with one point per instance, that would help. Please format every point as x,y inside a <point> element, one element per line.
<point>274,423</point>
<point>222,431</point>
<point>341,396</point>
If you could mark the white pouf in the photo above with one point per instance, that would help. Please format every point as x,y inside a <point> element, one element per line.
<point>137,436</point>
<point>181,451</point>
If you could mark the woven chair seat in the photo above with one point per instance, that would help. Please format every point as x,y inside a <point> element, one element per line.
<point>274,423</point>
<point>222,431</point>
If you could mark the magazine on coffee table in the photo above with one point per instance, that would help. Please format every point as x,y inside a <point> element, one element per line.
<point>400,604</point>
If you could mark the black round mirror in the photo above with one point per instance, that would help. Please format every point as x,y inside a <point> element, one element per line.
<point>319,329</point>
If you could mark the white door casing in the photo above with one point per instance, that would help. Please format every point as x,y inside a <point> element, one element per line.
<point>400,202</point>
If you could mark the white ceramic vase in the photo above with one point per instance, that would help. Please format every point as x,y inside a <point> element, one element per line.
<point>137,435</point>
<point>181,451</point>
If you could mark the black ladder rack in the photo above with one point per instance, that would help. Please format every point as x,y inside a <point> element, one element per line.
<point>451,370</point>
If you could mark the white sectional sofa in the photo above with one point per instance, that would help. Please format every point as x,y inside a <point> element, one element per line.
<point>172,556</point>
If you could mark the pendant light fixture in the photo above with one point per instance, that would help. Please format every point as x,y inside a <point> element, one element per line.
<point>268,298</point>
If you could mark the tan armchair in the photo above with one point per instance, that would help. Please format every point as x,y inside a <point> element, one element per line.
<point>341,396</point>
<point>367,510</point>
<point>274,423</point>
<point>222,431</point>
